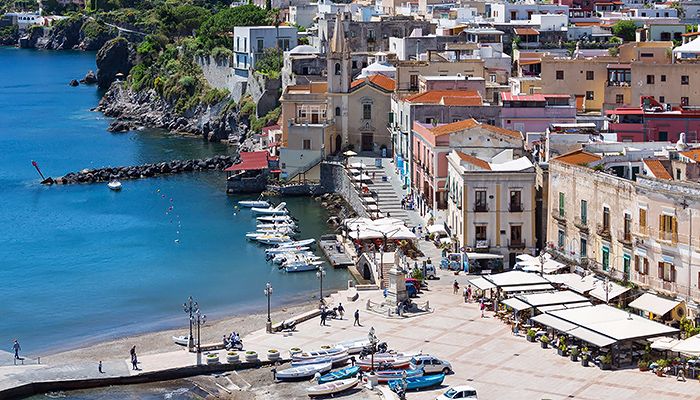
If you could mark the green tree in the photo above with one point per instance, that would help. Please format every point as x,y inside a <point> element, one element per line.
<point>270,63</point>
<point>213,31</point>
<point>678,7</point>
<point>625,29</point>
<point>181,20</point>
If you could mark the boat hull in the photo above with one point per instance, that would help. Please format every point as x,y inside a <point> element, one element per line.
<point>420,382</point>
<point>303,371</point>
<point>332,387</point>
<point>343,373</point>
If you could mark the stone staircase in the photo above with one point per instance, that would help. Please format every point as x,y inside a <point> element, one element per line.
<point>388,200</point>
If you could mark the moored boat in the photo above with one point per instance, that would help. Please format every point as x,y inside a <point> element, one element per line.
<point>273,239</point>
<point>419,382</point>
<point>254,203</point>
<point>391,374</point>
<point>309,266</point>
<point>276,219</point>
<point>277,210</point>
<point>280,250</point>
<point>343,373</point>
<point>305,242</point>
<point>303,371</point>
<point>332,387</point>
<point>115,185</point>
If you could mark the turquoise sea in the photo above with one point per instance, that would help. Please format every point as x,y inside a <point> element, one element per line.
<point>82,263</point>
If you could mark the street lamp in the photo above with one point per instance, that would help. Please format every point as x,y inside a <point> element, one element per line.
<point>190,308</point>
<point>385,235</point>
<point>320,274</point>
<point>199,319</point>
<point>268,294</point>
<point>542,262</point>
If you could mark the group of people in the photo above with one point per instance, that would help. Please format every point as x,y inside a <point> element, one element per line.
<point>468,296</point>
<point>407,203</point>
<point>338,312</point>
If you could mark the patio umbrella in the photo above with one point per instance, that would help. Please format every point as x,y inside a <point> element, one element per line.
<point>349,153</point>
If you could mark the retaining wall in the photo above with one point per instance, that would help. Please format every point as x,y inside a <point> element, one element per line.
<point>335,180</point>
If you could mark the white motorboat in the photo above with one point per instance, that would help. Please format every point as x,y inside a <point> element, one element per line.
<point>277,225</point>
<point>336,359</point>
<point>273,239</point>
<point>305,242</point>
<point>319,353</point>
<point>181,340</point>
<point>332,387</point>
<point>278,229</point>
<point>277,210</point>
<point>284,249</point>
<point>275,219</point>
<point>353,346</point>
<point>115,185</point>
<point>254,203</point>
<point>301,267</point>
<point>304,371</point>
<point>284,257</point>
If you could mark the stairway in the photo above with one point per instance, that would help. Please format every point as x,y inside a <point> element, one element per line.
<point>388,200</point>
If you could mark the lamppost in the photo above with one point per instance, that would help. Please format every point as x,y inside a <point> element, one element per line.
<point>385,236</point>
<point>268,294</point>
<point>199,319</point>
<point>190,308</point>
<point>320,274</point>
<point>542,252</point>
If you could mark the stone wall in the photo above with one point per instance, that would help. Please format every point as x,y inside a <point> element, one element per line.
<point>219,74</point>
<point>335,180</point>
<point>265,92</point>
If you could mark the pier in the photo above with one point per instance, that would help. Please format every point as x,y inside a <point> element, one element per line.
<point>334,251</point>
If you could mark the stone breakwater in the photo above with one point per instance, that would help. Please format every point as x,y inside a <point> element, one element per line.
<point>216,163</point>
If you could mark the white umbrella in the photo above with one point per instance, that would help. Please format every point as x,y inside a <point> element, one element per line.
<point>349,153</point>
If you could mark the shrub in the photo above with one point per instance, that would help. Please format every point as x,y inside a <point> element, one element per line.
<point>531,333</point>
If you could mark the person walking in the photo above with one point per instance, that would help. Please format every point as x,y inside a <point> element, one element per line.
<point>323,318</point>
<point>482,307</point>
<point>134,363</point>
<point>341,310</point>
<point>16,347</point>
<point>455,287</point>
<point>357,318</point>
<point>469,294</point>
<point>99,367</point>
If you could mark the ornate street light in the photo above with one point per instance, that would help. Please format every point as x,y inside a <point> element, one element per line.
<point>190,308</point>
<point>268,294</point>
<point>199,319</point>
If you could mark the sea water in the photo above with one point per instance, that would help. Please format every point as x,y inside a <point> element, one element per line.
<point>80,263</point>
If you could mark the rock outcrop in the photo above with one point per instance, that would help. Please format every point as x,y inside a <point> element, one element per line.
<point>77,32</point>
<point>115,57</point>
<point>89,79</point>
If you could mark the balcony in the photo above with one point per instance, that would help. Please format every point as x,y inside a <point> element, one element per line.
<point>668,236</point>
<point>624,237</point>
<point>603,231</point>
<point>559,215</point>
<point>481,244</point>
<point>581,224</point>
<point>617,84</point>
<point>516,244</point>
<point>515,207</point>
<point>481,207</point>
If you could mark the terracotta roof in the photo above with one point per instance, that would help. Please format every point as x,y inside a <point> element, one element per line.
<point>378,80</point>
<point>461,101</point>
<point>314,87</point>
<point>474,161</point>
<point>469,124</point>
<point>529,62</point>
<point>690,34</point>
<point>657,169</point>
<point>578,157</point>
<point>526,31</point>
<point>693,154</point>
<point>437,96</point>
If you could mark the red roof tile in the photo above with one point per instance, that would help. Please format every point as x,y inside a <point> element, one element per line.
<point>380,81</point>
<point>657,169</point>
<point>454,127</point>
<point>437,96</point>
<point>474,161</point>
<point>578,157</point>
<point>693,154</point>
<point>251,160</point>
<point>526,31</point>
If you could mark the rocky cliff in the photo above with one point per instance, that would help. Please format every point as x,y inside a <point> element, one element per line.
<point>75,33</point>
<point>114,60</point>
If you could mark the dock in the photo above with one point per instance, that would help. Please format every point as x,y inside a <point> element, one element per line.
<point>334,251</point>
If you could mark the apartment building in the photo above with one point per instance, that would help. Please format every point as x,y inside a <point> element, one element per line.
<point>491,203</point>
<point>249,43</point>
<point>654,121</point>
<point>535,112</point>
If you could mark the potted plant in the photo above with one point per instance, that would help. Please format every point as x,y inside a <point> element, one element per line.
<point>544,341</point>
<point>643,365</point>
<point>661,366</point>
<point>574,354</point>
<point>232,357</point>
<point>563,350</point>
<point>294,350</point>
<point>251,356</point>
<point>584,359</point>
<point>212,358</point>
<point>531,333</point>
<point>273,355</point>
<point>606,362</point>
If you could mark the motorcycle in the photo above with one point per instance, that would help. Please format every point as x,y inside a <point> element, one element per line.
<point>234,342</point>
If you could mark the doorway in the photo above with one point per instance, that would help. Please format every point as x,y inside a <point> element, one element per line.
<point>367,141</point>
<point>338,143</point>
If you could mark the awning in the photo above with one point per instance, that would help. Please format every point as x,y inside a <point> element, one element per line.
<point>482,284</point>
<point>654,304</point>
<point>528,288</point>
<point>250,161</point>
<point>614,291</point>
<point>591,337</point>
<point>360,165</point>
<point>690,346</point>
<point>516,304</point>
<point>437,228</point>
<point>553,322</point>
<point>664,343</point>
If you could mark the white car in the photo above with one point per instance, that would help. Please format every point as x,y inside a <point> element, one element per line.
<point>459,392</point>
<point>430,364</point>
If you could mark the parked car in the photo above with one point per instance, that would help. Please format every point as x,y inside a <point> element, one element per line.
<point>459,392</point>
<point>430,364</point>
<point>411,289</point>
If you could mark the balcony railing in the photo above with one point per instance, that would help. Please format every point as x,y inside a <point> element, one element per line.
<point>516,244</point>
<point>559,215</point>
<point>481,207</point>
<point>668,236</point>
<point>310,121</point>
<point>603,231</point>
<point>515,207</point>
<point>581,224</point>
<point>624,237</point>
<point>617,84</point>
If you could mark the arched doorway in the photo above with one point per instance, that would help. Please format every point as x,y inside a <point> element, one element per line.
<point>338,143</point>
<point>366,272</point>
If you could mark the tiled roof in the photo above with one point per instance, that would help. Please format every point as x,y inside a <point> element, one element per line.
<point>378,80</point>
<point>469,124</point>
<point>461,101</point>
<point>437,96</point>
<point>693,154</point>
<point>474,161</point>
<point>578,157</point>
<point>314,87</point>
<point>526,31</point>
<point>657,169</point>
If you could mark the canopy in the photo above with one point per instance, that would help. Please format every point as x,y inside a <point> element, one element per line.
<point>482,284</point>
<point>553,322</point>
<point>375,232</point>
<point>437,228</point>
<point>550,267</point>
<point>362,177</point>
<point>690,346</point>
<point>614,290</point>
<point>528,288</point>
<point>359,165</point>
<point>688,50</point>
<point>591,337</point>
<point>516,278</point>
<point>516,304</point>
<point>654,304</point>
<point>251,161</point>
<point>563,306</point>
<point>664,343</point>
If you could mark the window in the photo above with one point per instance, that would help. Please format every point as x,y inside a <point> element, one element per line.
<point>663,78</point>
<point>642,219</point>
<point>370,34</point>
<point>584,212</point>
<point>492,77</point>
<point>667,272</point>
<point>619,99</point>
<point>662,99</point>
<point>480,200</point>
<point>560,75</point>
<point>606,259</point>
<point>337,111</point>
<point>414,82</point>
<point>589,95</point>
<point>354,64</point>
<point>650,79</point>
<point>627,231</point>
<point>480,232</point>
<point>646,55</point>
<point>584,248</point>
<point>590,75</point>
<point>561,237</point>
<point>515,201</point>
<point>626,263</point>
<point>337,68</point>
<point>307,144</point>
<point>261,45</point>
<point>606,219</point>
<point>366,111</point>
<point>516,234</point>
<point>685,80</point>
<point>663,136</point>
<point>668,228</point>
<point>684,101</point>
<point>561,204</point>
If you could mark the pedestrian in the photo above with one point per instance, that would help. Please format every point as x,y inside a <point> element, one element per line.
<point>16,347</point>
<point>357,318</point>
<point>482,306</point>
<point>455,287</point>
<point>466,294</point>
<point>680,376</point>
<point>469,294</point>
<point>99,367</point>
<point>132,352</point>
<point>274,374</point>
<point>352,360</point>
<point>323,318</point>
<point>341,310</point>
<point>134,363</point>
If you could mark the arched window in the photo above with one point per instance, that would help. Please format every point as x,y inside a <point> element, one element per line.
<point>337,111</point>
<point>337,68</point>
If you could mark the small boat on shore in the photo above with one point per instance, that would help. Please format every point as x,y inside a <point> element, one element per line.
<point>384,363</point>
<point>354,346</point>
<point>391,374</point>
<point>319,353</point>
<point>419,382</point>
<point>277,210</point>
<point>336,359</point>
<point>254,203</point>
<point>181,340</point>
<point>115,185</point>
<point>303,371</point>
<point>332,387</point>
<point>343,373</point>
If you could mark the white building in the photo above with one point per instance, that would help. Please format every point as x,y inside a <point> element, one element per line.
<point>303,15</point>
<point>249,42</point>
<point>491,205</point>
<point>507,12</point>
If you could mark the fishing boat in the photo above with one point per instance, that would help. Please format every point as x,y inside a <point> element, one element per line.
<point>305,242</point>
<point>281,258</point>
<point>383,363</point>
<point>276,218</point>
<point>391,374</point>
<point>273,239</point>
<point>254,203</point>
<point>182,340</point>
<point>283,249</point>
<point>277,210</point>
<point>309,266</point>
<point>319,353</point>
<point>303,371</point>
<point>418,382</point>
<point>277,225</point>
<point>343,373</point>
<point>354,346</point>
<point>336,359</point>
<point>115,185</point>
<point>332,387</point>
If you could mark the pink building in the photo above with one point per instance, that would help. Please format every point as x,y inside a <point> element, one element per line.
<point>534,112</point>
<point>453,82</point>
<point>432,144</point>
<point>654,122</point>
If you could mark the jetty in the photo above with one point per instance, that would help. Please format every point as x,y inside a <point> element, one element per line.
<point>334,251</point>
<point>106,174</point>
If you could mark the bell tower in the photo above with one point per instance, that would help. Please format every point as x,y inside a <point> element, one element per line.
<point>339,69</point>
